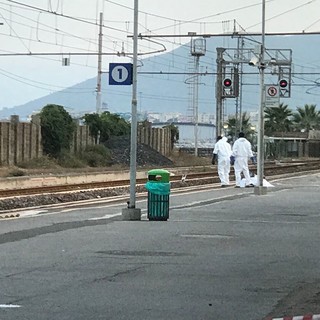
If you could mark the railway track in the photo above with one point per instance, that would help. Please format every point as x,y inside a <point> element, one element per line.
<point>178,180</point>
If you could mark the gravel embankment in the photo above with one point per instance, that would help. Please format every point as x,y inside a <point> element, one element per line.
<point>120,150</point>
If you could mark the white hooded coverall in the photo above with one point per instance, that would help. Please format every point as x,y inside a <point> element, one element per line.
<point>223,151</point>
<point>241,150</point>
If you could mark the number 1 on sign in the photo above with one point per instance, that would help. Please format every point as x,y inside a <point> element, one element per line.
<point>120,74</point>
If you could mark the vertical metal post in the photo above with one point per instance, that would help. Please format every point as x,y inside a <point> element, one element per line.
<point>219,107</point>
<point>260,168</point>
<point>237,122</point>
<point>98,98</point>
<point>131,213</point>
<point>196,106</point>
<point>239,98</point>
<point>133,152</point>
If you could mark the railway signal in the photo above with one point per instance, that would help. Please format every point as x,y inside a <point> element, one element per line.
<point>283,83</point>
<point>230,84</point>
<point>227,83</point>
<point>284,88</point>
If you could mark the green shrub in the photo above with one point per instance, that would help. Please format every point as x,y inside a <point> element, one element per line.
<point>57,129</point>
<point>42,162</point>
<point>16,173</point>
<point>70,160</point>
<point>97,156</point>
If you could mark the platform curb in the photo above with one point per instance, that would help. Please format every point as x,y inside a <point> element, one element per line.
<point>8,216</point>
<point>305,317</point>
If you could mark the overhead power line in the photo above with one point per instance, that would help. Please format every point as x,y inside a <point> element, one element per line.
<point>63,15</point>
<point>232,34</point>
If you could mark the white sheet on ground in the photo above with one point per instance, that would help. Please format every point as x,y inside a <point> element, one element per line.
<point>254,181</point>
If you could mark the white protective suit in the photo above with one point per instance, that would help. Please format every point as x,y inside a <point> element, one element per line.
<point>242,152</point>
<point>223,151</point>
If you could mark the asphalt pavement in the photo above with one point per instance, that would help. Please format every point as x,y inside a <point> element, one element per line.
<point>223,254</point>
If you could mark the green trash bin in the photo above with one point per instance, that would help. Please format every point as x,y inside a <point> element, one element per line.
<point>158,187</point>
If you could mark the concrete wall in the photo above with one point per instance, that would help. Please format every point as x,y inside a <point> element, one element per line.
<point>158,139</point>
<point>21,141</point>
<point>81,139</point>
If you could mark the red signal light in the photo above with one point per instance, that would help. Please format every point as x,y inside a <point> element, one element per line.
<point>283,83</point>
<point>227,82</point>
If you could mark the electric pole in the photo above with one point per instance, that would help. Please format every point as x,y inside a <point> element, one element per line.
<point>259,190</point>
<point>98,99</point>
<point>219,99</point>
<point>131,212</point>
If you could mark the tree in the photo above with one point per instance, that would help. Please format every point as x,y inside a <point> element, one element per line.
<point>93,121</point>
<point>107,124</point>
<point>234,123</point>
<point>277,119</point>
<point>307,118</point>
<point>113,125</point>
<point>174,133</point>
<point>57,129</point>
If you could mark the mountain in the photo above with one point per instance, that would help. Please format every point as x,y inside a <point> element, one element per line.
<point>165,82</point>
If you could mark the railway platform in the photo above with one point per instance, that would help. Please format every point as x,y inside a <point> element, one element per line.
<point>224,253</point>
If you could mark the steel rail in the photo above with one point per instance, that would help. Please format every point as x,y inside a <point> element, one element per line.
<point>178,180</point>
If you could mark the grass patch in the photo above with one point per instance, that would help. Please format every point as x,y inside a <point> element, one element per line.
<point>70,160</point>
<point>16,172</point>
<point>97,156</point>
<point>39,163</point>
<point>183,159</point>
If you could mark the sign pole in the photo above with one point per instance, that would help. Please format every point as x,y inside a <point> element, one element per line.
<point>131,212</point>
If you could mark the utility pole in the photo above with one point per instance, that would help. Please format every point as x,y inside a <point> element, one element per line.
<point>260,190</point>
<point>196,106</point>
<point>98,98</point>
<point>239,98</point>
<point>198,49</point>
<point>219,106</point>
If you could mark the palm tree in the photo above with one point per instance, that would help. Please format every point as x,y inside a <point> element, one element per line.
<point>278,119</point>
<point>307,118</point>
<point>234,123</point>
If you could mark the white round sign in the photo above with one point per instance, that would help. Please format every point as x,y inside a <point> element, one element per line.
<point>272,91</point>
<point>120,74</point>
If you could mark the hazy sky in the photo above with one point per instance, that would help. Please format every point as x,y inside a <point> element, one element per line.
<point>40,27</point>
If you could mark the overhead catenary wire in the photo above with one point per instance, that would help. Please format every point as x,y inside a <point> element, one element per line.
<point>126,31</point>
<point>44,86</point>
<point>285,12</point>
<point>17,2</point>
<point>55,30</point>
<point>62,15</point>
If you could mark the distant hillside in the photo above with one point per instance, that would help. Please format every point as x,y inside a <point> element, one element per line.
<point>159,91</point>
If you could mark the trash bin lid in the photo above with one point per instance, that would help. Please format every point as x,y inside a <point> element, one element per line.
<point>159,175</point>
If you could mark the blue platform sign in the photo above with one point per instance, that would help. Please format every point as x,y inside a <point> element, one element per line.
<point>120,74</point>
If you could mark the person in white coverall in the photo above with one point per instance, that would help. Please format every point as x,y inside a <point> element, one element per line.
<point>242,152</point>
<point>222,151</point>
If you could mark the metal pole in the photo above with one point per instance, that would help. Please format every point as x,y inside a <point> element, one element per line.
<point>260,168</point>
<point>131,213</point>
<point>219,91</point>
<point>98,98</point>
<point>240,89</point>
<point>133,152</point>
<point>196,106</point>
